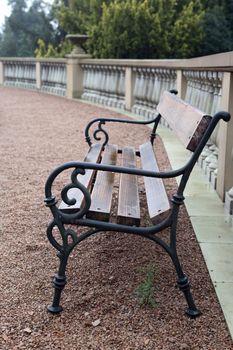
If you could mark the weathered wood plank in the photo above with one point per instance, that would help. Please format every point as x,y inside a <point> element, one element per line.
<point>128,202</point>
<point>157,200</point>
<point>187,122</point>
<point>101,197</point>
<point>93,156</point>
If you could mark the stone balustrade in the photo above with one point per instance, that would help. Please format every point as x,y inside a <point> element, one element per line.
<point>53,77</point>
<point>45,75</point>
<point>20,74</point>
<point>149,85</point>
<point>136,86</point>
<point>104,85</point>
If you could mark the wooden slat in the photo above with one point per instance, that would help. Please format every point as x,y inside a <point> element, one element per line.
<point>101,197</point>
<point>128,203</point>
<point>93,156</point>
<point>187,122</point>
<point>157,200</point>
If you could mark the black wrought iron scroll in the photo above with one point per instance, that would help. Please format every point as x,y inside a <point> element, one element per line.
<point>51,202</point>
<point>102,135</point>
<point>68,237</point>
<point>99,134</point>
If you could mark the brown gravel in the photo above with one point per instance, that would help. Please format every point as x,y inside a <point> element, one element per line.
<point>101,312</point>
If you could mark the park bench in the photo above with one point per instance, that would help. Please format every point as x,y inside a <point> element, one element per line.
<point>86,201</point>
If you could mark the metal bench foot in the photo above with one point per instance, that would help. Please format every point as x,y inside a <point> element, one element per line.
<point>193,313</point>
<point>59,283</point>
<point>184,286</point>
<point>55,309</point>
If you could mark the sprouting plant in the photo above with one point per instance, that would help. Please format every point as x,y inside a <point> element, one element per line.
<point>145,292</point>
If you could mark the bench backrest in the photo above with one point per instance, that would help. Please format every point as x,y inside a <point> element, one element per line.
<point>188,123</point>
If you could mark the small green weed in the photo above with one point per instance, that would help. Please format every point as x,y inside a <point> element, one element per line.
<point>145,292</point>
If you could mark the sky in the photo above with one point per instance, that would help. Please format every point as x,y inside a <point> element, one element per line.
<point>5,10</point>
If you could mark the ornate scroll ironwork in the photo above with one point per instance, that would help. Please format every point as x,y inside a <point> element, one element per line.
<point>51,202</point>
<point>102,132</point>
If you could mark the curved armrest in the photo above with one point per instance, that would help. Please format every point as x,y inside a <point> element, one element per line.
<point>102,121</point>
<point>79,168</point>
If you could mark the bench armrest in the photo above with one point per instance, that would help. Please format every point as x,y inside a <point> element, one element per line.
<point>99,134</point>
<point>79,168</point>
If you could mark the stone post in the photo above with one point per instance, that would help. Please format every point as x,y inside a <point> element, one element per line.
<point>225,159</point>
<point>130,77</point>
<point>74,82</point>
<point>74,72</point>
<point>181,84</point>
<point>38,75</point>
<point>1,73</point>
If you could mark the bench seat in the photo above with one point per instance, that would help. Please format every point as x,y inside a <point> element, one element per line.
<point>101,185</point>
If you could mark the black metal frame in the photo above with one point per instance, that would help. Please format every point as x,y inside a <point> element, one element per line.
<point>69,237</point>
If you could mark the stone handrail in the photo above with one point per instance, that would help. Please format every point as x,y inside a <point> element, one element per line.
<point>136,86</point>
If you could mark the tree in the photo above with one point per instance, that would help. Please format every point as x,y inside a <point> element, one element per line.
<point>24,27</point>
<point>217,35</point>
<point>128,30</point>
<point>188,31</point>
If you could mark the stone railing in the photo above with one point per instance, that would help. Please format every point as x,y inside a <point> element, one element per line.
<point>53,77</point>
<point>20,73</point>
<point>136,86</point>
<point>104,85</point>
<point>44,75</point>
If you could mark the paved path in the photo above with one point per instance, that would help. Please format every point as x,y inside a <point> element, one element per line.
<point>212,226</point>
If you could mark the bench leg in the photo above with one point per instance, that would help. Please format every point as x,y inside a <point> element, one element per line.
<point>59,283</point>
<point>184,286</point>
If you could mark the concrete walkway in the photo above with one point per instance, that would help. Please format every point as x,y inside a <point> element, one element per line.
<point>211,225</point>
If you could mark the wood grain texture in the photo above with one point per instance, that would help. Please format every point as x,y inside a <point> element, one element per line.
<point>101,197</point>
<point>188,123</point>
<point>157,200</point>
<point>93,156</point>
<point>128,202</point>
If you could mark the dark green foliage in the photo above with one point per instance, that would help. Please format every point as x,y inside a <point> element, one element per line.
<point>217,36</point>
<point>131,29</point>
<point>23,28</point>
<point>187,31</point>
<point>145,292</point>
<point>121,28</point>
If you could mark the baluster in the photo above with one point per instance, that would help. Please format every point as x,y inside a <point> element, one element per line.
<point>121,88</point>
<point>150,111</point>
<point>85,81</point>
<point>136,90</point>
<point>210,92</point>
<point>201,91</point>
<point>114,86</point>
<point>108,86</point>
<point>141,91</point>
<point>90,78</point>
<point>144,88</point>
<point>215,94</point>
<point>189,91</point>
<point>155,90</point>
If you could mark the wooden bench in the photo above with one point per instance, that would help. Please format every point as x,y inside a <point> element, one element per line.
<point>109,170</point>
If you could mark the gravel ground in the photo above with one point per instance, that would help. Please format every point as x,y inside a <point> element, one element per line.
<point>101,311</point>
